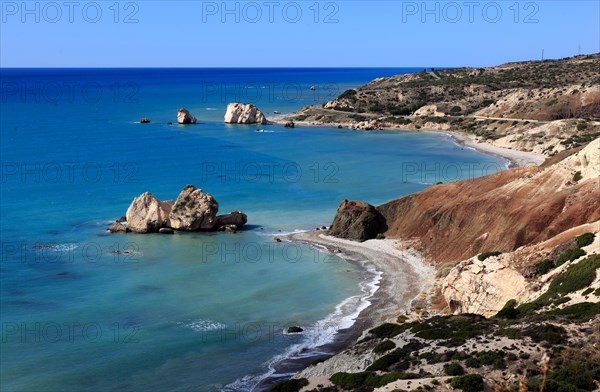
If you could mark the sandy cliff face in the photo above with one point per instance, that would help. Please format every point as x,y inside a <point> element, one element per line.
<point>501,212</point>
<point>484,287</point>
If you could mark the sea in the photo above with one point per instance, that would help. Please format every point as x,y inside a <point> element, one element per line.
<point>85,310</point>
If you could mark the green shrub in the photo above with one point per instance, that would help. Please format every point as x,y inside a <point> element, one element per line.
<point>485,255</point>
<point>569,255</point>
<point>389,330</point>
<point>509,311</point>
<point>577,277</point>
<point>398,355</point>
<point>473,362</point>
<point>289,385</point>
<point>384,346</point>
<point>492,358</point>
<point>511,333</point>
<point>587,291</point>
<point>454,369</point>
<point>543,267</point>
<point>348,94</point>
<point>368,379</point>
<point>577,176</point>
<point>468,383</point>
<point>582,126</point>
<point>455,109</point>
<point>585,239</point>
<point>553,334</point>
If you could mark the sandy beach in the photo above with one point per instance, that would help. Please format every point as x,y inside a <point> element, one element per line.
<point>404,274</point>
<point>517,158</point>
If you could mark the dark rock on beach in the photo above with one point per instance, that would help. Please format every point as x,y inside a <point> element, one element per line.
<point>358,221</point>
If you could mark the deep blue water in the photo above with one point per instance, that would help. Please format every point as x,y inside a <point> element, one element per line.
<point>188,311</point>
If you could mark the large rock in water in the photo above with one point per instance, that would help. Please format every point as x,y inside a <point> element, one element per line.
<point>194,210</point>
<point>147,214</point>
<point>184,117</point>
<point>357,220</point>
<point>239,113</point>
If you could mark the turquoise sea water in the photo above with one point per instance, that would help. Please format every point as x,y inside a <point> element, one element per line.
<point>84,310</point>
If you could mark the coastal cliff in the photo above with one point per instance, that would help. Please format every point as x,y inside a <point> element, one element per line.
<point>517,253</point>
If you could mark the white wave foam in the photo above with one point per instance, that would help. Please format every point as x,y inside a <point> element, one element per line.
<point>203,325</point>
<point>324,332</point>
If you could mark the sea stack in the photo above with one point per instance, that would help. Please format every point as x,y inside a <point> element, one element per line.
<point>184,117</point>
<point>239,113</point>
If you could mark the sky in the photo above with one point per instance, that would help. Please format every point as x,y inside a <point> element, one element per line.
<point>280,33</point>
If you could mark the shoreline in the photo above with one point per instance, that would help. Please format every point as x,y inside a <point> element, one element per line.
<point>401,276</point>
<point>516,158</point>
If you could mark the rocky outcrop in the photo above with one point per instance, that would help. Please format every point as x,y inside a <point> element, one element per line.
<point>239,113</point>
<point>367,125</point>
<point>290,124</point>
<point>118,228</point>
<point>144,120</point>
<point>236,218</point>
<point>184,117</point>
<point>358,221</point>
<point>482,287</point>
<point>194,210</point>
<point>147,214</point>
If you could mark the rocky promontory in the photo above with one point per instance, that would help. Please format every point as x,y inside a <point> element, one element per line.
<point>239,113</point>
<point>193,210</point>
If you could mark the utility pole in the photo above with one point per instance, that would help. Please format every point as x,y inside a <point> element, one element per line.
<point>542,54</point>
<point>579,50</point>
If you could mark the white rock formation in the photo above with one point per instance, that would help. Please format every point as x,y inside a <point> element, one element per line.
<point>239,113</point>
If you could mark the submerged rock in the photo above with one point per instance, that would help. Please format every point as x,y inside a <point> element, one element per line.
<point>184,117</point>
<point>239,113</point>
<point>144,120</point>
<point>358,221</point>
<point>194,210</point>
<point>295,330</point>
<point>166,230</point>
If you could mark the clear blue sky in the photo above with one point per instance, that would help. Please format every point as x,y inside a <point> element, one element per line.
<point>359,33</point>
